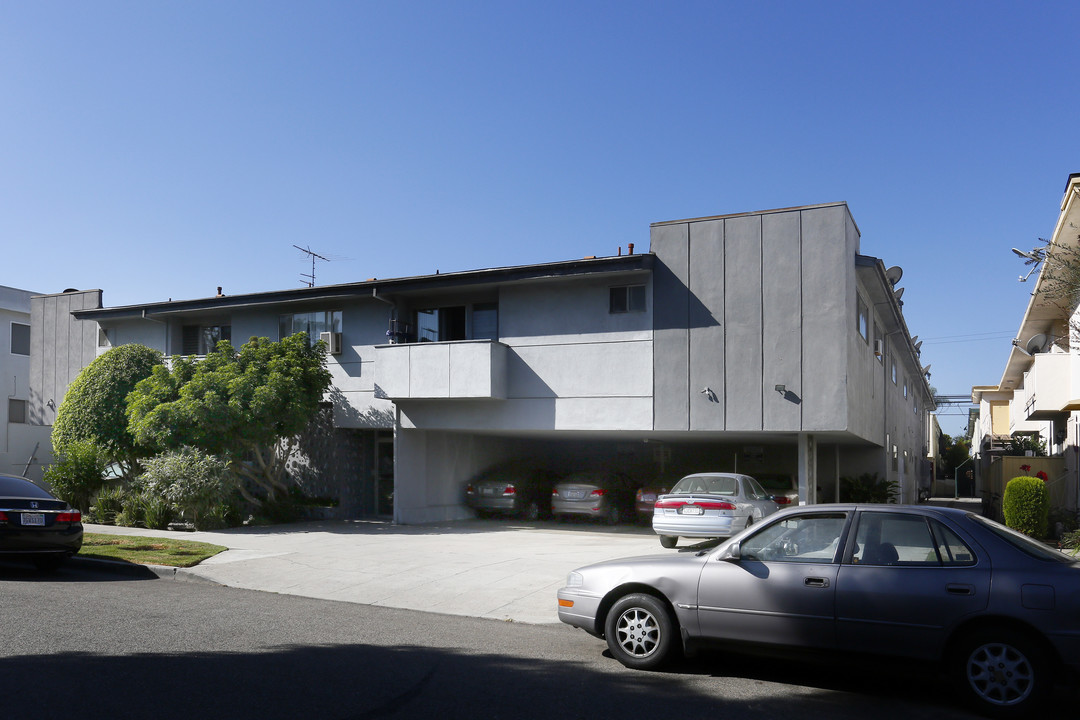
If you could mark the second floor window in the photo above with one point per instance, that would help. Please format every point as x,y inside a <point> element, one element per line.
<point>201,339</point>
<point>479,321</point>
<point>312,323</point>
<point>626,298</point>
<point>20,339</point>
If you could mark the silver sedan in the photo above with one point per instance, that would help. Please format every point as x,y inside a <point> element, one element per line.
<point>998,610</point>
<point>710,505</point>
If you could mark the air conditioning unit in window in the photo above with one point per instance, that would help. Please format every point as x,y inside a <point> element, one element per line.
<point>333,342</point>
<point>879,348</point>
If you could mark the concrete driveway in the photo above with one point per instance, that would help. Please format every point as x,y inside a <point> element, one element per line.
<point>503,570</point>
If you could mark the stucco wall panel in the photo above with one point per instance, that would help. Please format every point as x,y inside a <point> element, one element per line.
<point>829,302</point>
<point>782,312</point>
<point>607,369</point>
<point>743,323</point>
<point>671,353</point>
<point>706,309</point>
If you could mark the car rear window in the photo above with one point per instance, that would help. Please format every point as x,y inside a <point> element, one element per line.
<point>17,487</point>
<point>1022,542</point>
<point>707,485</point>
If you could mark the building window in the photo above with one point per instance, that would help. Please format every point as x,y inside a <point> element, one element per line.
<point>312,323</point>
<point>479,321</point>
<point>441,324</point>
<point>16,411</point>
<point>20,339</point>
<point>893,372</point>
<point>485,321</point>
<point>201,339</point>
<point>879,343</point>
<point>862,318</point>
<point>626,298</point>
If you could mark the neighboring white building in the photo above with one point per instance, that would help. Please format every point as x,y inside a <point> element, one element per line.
<point>760,342</point>
<point>21,444</point>
<point>1039,391</point>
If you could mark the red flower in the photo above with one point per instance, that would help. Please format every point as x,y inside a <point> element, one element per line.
<point>1025,468</point>
<point>1042,476</point>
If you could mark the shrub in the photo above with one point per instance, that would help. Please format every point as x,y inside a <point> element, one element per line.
<point>159,513</point>
<point>79,474</point>
<point>1026,506</point>
<point>109,502</point>
<point>192,482</point>
<point>868,488</point>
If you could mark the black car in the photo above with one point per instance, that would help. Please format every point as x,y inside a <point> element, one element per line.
<point>35,525</point>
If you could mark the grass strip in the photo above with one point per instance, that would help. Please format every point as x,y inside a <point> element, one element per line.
<point>147,550</point>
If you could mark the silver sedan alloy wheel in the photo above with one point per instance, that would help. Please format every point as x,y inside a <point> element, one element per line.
<point>638,632</point>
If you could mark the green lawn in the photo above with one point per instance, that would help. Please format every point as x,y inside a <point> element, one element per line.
<point>147,550</point>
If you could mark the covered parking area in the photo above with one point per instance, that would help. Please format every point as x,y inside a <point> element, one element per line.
<point>433,467</point>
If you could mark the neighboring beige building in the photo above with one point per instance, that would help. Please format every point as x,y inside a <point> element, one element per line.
<point>1039,391</point>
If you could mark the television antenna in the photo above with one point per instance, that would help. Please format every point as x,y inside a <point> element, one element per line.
<point>310,279</point>
<point>1032,258</point>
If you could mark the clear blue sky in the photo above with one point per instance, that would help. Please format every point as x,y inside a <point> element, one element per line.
<point>160,149</point>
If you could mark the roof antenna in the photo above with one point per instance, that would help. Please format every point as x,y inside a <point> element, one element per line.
<point>310,279</point>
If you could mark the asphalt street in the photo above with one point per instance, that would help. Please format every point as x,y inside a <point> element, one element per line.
<point>110,646</point>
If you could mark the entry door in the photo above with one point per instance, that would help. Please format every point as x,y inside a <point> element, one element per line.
<point>384,477</point>
<point>782,589</point>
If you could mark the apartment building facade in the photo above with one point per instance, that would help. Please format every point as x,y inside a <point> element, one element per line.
<point>759,342</point>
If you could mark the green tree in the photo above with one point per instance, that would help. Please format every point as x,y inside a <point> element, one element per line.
<point>953,451</point>
<point>247,406</point>
<point>78,474</point>
<point>93,409</point>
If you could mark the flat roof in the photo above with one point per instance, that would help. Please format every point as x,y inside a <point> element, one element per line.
<point>374,287</point>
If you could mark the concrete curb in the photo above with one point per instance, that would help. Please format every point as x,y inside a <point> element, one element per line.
<point>117,567</point>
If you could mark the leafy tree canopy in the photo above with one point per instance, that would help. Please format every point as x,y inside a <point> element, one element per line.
<point>246,405</point>
<point>93,409</point>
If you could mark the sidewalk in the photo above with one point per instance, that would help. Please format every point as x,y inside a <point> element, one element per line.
<point>503,570</point>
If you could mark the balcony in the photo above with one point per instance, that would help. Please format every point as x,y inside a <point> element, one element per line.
<point>458,370</point>
<point>1048,386</point>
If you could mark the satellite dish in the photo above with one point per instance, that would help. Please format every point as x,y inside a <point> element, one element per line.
<point>926,370</point>
<point>918,346</point>
<point>1036,344</point>
<point>894,274</point>
<point>899,293</point>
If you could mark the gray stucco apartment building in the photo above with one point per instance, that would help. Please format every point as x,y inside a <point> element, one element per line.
<point>760,342</point>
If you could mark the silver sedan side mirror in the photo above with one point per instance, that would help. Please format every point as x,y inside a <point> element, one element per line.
<point>731,553</point>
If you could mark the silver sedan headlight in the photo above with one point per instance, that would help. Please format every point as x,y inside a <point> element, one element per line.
<point>574,579</point>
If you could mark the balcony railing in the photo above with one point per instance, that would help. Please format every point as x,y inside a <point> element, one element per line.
<point>465,369</point>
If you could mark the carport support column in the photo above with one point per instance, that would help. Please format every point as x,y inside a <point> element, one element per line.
<point>807,469</point>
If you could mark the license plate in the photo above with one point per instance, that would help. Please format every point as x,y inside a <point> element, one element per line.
<point>575,495</point>
<point>691,510</point>
<point>487,491</point>
<point>34,519</point>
